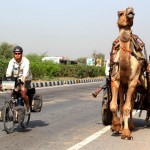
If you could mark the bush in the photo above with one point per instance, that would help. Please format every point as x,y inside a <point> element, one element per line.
<point>48,70</point>
<point>3,67</point>
<point>44,70</point>
<point>81,71</point>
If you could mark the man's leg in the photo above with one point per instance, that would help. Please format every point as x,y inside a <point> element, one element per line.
<point>25,96</point>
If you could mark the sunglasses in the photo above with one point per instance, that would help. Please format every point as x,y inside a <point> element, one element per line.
<point>17,53</point>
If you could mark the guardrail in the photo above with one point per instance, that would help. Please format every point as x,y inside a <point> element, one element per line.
<point>57,83</point>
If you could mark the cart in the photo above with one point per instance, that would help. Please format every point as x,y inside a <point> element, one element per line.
<point>141,99</point>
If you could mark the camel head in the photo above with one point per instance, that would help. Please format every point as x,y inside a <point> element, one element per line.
<point>125,18</point>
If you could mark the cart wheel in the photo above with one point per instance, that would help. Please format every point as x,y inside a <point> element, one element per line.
<point>106,114</point>
<point>25,121</point>
<point>8,118</point>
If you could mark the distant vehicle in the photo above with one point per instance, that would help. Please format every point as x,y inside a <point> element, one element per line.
<point>58,60</point>
<point>54,59</point>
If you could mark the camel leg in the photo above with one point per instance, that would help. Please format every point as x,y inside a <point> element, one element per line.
<point>113,106</point>
<point>121,97</point>
<point>131,124</point>
<point>126,111</point>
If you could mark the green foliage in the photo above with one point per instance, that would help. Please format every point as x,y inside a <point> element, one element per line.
<point>6,51</point>
<point>3,67</point>
<point>46,70</point>
<point>34,57</point>
<point>81,60</point>
<point>81,71</point>
<point>52,70</point>
<point>42,69</point>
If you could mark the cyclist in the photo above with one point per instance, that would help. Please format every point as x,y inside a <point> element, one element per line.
<point>19,67</point>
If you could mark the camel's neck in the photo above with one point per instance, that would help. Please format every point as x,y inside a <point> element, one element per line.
<point>124,39</point>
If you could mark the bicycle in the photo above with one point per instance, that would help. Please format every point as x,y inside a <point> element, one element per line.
<point>11,114</point>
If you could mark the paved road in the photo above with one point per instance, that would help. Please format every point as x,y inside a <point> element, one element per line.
<point>71,117</point>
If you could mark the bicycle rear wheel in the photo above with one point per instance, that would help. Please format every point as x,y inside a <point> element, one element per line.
<point>8,118</point>
<point>25,121</point>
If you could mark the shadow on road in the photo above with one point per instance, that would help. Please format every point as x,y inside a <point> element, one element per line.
<point>140,124</point>
<point>32,124</point>
<point>37,123</point>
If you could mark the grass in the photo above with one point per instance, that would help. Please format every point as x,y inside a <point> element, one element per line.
<point>66,78</point>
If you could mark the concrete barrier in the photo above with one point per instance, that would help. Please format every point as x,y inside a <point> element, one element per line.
<point>58,83</point>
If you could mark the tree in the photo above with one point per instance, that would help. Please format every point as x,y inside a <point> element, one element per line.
<point>81,60</point>
<point>98,57</point>
<point>6,50</point>
<point>33,57</point>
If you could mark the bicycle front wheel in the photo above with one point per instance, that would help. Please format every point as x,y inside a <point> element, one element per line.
<point>25,121</point>
<point>8,118</point>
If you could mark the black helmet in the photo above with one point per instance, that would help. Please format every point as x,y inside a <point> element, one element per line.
<point>18,49</point>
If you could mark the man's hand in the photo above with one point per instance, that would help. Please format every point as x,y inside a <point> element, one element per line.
<point>23,79</point>
<point>22,88</point>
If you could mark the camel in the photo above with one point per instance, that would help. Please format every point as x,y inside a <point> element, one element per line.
<point>127,62</point>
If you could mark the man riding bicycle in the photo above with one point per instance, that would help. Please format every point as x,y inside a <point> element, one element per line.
<point>19,67</point>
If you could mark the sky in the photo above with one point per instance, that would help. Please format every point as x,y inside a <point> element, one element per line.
<point>70,28</point>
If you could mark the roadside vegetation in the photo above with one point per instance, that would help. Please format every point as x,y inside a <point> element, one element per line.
<point>47,70</point>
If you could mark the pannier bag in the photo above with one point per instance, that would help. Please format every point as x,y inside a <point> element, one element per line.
<point>36,103</point>
<point>19,112</point>
<point>31,91</point>
<point>8,85</point>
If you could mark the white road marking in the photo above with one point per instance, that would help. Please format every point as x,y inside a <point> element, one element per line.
<point>93,137</point>
<point>90,139</point>
<point>55,101</point>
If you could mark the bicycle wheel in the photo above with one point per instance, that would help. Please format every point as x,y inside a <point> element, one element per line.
<point>25,121</point>
<point>8,118</point>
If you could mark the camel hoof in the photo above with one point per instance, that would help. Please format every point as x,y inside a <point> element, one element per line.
<point>130,138</point>
<point>126,134</point>
<point>123,137</point>
<point>116,126</point>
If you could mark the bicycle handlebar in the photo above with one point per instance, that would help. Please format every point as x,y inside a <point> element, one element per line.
<point>10,83</point>
<point>19,82</point>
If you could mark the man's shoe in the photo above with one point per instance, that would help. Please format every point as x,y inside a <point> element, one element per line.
<point>28,111</point>
<point>94,94</point>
